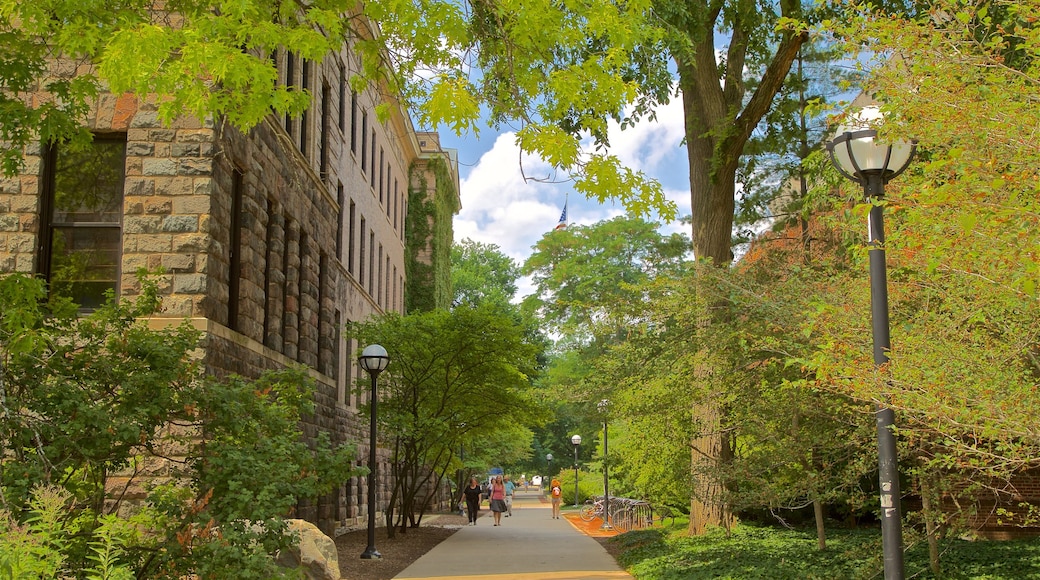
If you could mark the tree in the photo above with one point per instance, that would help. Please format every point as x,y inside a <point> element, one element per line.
<point>584,274</point>
<point>964,370</point>
<point>94,406</point>
<point>204,59</point>
<point>561,71</point>
<point>481,274</point>
<point>457,379</point>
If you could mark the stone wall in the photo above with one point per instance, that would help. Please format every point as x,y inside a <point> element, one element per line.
<point>270,241</point>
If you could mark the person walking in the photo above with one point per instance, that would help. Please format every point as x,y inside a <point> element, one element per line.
<point>472,494</point>
<point>556,492</point>
<point>498,499</point>
<point>510,487</point>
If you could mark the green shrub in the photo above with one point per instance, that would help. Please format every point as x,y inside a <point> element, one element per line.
<point>590,484</point>
<point>88,398</point>
<point>750,552</point>
<point>37,548</point>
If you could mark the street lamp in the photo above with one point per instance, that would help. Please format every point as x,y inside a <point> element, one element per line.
<point>373,359</point>
<point>548,461</point>
<point>576,441</point>
<point>603,405</point>
<point>857,155</point>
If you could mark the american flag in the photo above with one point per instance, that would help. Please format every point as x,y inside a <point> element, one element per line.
<point>563,218</point>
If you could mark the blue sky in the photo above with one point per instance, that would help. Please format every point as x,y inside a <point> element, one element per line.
<point>499,208</point>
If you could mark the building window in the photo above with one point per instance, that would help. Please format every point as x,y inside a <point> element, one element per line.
<point>371,260</point>
<point>342,98</point>
<point>323,347</point>
<point>305,81</point>
<point>353,122</point>
<point>289,232</point>
<point>235,252</point>
<point>268,273</point>
<point>352,235</point>
<point>372,170</point>
<point>351,394</point>
<point>82,210</point>
<point>301,291</point>
<point>388,202</point>
<point>337,358</point>
<point>364,134</point>
<point>323,138</point>
<point>379,279</point>
<point>361,256</point>
<point>382,163</point>
<point>397,199</point>
<point>290,79</point>
<point>339,221</point>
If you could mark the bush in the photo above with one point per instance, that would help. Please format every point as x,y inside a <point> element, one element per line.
<point>92,400</point>
<point>749,552</point>
<point>590,484</point>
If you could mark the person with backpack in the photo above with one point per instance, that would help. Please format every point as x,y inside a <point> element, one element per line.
<point>556,492</point>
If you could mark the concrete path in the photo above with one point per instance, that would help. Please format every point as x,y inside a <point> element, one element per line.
<point>530,545</point>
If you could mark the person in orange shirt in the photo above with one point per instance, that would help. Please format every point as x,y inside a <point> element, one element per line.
<point>556,493</point>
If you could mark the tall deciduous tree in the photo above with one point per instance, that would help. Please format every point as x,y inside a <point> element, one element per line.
<point>563,71</point>
<point>457,379</point>
<point>481,273</point>
<point>584,274</point>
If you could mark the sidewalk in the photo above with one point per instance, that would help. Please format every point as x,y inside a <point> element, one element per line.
<point>530,545</point>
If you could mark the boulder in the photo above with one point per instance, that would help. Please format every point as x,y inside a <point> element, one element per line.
<point>316,555</point>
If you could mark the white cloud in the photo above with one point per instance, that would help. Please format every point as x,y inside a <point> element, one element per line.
<point>651,145</point>
<point>499,207</point>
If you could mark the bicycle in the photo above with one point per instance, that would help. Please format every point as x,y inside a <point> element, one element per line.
<point>617,515</point>
<point>592,509</point>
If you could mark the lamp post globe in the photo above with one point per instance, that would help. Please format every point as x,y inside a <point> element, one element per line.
<point>859,156</point>
<point>374,359</point>
<point>548,462</point>
<point>575,441</point>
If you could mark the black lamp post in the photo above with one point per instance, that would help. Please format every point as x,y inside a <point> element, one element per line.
<point>576,441</point>
<point>548,462</point>
<point>373,359</point>
<point>603,405</point>
<point>857,155</point>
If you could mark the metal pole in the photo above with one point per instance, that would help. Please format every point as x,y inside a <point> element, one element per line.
<point>888,470</point>
<point>370,552</point>
<point>606,492</point>
<point>575,476</point>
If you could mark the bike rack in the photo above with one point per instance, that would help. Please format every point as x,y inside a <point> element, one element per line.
<point>624,513</point>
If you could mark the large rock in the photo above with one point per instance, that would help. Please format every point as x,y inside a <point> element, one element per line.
<point>316,555</point>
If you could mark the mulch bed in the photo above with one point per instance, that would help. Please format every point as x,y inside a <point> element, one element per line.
<point>398,552</point>
<point>592,528</point>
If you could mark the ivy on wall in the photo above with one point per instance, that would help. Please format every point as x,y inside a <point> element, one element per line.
<point>429,236</point>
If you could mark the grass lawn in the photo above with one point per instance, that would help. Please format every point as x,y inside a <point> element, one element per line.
<point>776,553</point>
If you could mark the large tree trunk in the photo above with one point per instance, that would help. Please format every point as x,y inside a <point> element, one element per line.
<point>712,448</point>
<point>718,125</point>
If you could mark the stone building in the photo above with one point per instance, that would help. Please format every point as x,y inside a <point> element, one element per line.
<point>270,240</point>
